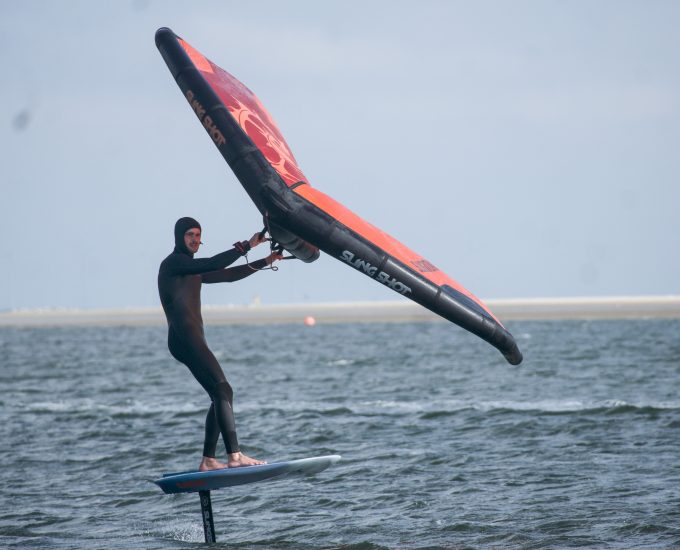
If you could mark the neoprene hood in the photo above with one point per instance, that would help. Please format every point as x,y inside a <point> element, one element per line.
<point>181,227</point>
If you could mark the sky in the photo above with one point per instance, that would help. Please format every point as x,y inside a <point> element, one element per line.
<point>527,149</point>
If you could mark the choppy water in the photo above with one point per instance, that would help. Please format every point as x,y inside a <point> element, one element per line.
<point>444,445</point>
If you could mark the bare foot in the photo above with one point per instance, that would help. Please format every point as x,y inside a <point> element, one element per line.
<point>237,460</point>
<point>208,463</point>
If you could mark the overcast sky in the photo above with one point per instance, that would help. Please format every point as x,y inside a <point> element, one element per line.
<point>528,149</point>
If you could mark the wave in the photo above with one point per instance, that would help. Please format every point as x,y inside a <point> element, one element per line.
<point>452,406</point>
<point>88,405</point>
<point>428,408</point>
<point>576,406</point>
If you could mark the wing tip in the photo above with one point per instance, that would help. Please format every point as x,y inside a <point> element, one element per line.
<point>162,34</point>
<point>513,355</point>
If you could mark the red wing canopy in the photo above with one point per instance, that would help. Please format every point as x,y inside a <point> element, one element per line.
<point>250,114</point>
<point>252,144</point>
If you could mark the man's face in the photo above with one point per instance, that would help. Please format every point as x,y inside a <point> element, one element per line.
<point>192,239</point>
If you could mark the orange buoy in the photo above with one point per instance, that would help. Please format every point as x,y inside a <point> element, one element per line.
<point>310,321</point>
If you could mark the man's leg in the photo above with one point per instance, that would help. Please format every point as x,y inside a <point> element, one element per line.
<point>212,434</point>
<point>207,371</point>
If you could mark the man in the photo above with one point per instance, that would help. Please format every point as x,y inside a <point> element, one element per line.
<point>179,284</point>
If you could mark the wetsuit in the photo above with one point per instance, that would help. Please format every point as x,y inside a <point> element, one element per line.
<point>179,284</point>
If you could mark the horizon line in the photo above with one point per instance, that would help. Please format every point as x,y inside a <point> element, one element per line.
<point>506,309</point>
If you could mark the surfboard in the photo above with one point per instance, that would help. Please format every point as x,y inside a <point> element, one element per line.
<point>193,481</point>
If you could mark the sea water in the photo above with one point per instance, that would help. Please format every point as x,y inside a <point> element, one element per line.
<point>444,445</point>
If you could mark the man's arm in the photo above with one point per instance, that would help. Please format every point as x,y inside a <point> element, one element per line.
<point>185,265</point>
<point>239,272</point>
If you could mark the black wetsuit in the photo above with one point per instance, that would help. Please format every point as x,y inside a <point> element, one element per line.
<point>179,284</point>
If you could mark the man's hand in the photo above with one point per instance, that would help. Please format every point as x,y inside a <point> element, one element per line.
<point>273,257</point>
<point>256,239</point>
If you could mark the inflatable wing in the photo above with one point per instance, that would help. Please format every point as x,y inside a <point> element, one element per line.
<point>302,218</point>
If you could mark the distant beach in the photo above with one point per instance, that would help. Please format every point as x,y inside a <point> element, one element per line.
<point>616,307</point>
